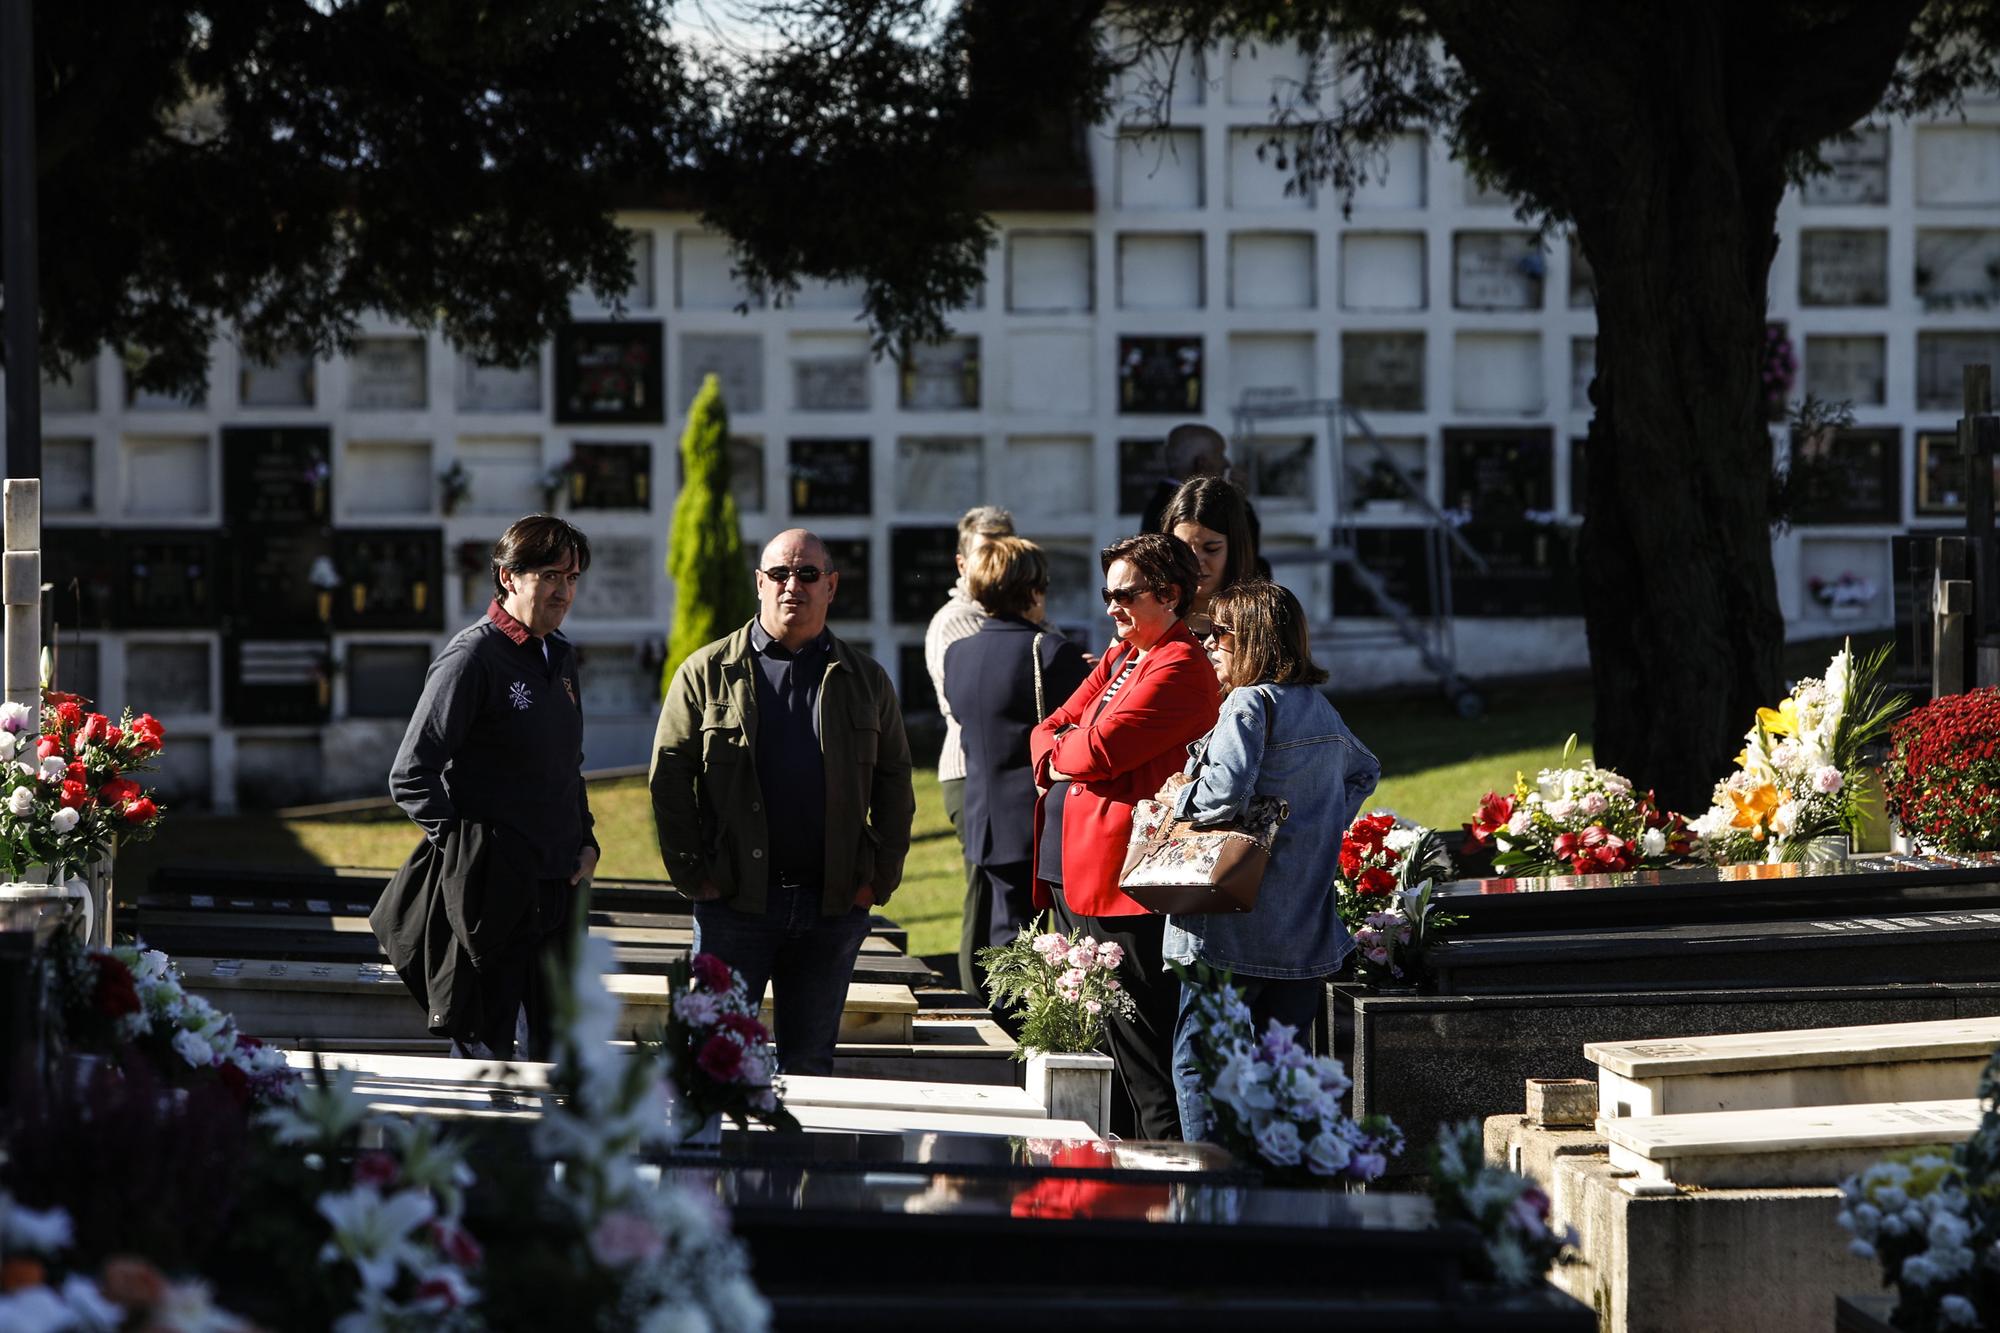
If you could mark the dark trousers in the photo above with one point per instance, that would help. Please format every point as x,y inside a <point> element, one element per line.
<point>513,1000</point>
<point>1141,1046</point>
<point>973,917</point>
<point>1291,1001</point>
<point>805,957</point>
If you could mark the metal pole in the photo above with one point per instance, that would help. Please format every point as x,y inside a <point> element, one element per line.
<point>17,191</point>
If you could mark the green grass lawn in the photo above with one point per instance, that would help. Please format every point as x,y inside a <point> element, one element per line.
<point>1435,767</point>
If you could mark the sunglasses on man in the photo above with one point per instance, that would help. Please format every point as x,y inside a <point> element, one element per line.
<point>781,574</point>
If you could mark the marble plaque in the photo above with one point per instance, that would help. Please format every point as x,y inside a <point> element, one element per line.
<point>282,580</point>
<point>1383,271</point>
<point>1158,170</point>
<point>169,679</point>
<point>385,477</point>
<point>1958,166</point>
<point>611,476</point>
<point>1160,375</point>
<point>385,679</point>
<point>853,600</point>
<point>1050,372</point>
<point>941,376</point>
<point>168,580</point>
<point>286,381</point>
<point>922,567</point>
<point>276,682</point>
<point>1160,271</point>
<point>1499,477</point>
<point>938,475</point>
<point>1395,177</point>
<point>491,388</point>
<point>1280,472</point>
<point>1844,368</point>
<point>390,579</point>
<point>610,371</point>
<point>1848,476</point>
<point>276,476</point>
<point>617,680</point>
<point>830,374</point>
<point>1272,270</point>
<point>1382,372</point>
<point>737,362</point>
<point>1256,180</point>
<point>1271,367</point>
<point>83,568</point>
<point>1050,272</point>
<point>1142,467</point>
<point>388,374</point>
<point>1047,476</point>
<point>830,477</point>
<point>1582,371</point>
<point>620,582</point>
<point>1958,268</point>
<point>70,391</point>
<point>1843,268</point>
<point>704,276</point>
<point>1941,362</point>
<point>1498,373</point>
<point>506,475</point>
<point>1582,281</point>
<point>1497,270</point>
<point>69,474</point>
<point>166,476</point>
<point>1857,170</point>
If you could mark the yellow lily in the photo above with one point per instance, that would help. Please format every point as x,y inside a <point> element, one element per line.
<point>1782,720</point>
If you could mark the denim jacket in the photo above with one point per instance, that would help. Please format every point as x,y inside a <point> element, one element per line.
<point>1315,763</point>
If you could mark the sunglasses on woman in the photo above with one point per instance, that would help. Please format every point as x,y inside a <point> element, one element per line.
<point>1217,631</point>
<point>1122,596</point>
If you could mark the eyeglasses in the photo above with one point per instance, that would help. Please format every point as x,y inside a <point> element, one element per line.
<point>1122,596</point>
<point>780,574</point>
<point>1218,631</point>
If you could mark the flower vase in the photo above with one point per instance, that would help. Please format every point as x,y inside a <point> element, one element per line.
<point>1073,1085</point>
<point>39,883</point>
<point>97,880</point>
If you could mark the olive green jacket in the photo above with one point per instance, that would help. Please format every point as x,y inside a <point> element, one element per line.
<point>709,807</point>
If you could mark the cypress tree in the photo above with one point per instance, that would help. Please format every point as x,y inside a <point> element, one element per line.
<point>712,592</point>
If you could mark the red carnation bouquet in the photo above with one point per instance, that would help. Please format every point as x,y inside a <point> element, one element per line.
<point>1942,782</point>
<point>718,1051</point>
<point>67,794</point>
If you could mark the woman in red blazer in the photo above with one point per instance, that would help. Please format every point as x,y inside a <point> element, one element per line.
<point>1124,732</point>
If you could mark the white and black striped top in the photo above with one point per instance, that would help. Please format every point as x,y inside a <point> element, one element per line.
<point>1117,683</point>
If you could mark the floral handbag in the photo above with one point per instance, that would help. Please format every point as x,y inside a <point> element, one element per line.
<point>1173,866</point>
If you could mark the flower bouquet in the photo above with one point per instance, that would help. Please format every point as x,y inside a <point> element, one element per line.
<point>1509,1211</point>
<point>127,1292</point>
<point>1272,1102</point>
<point>1579,821</point>
<point>1382,891</point>
<point>719,1051</point>
<point>1798,785</point>
<point>67,793</point>
<point>1943,778</point>
<point>1064,986</point>
<point>128,1003</point>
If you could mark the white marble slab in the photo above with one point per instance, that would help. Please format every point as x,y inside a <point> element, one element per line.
<point>1739,1052</point>
<point>1784,1146</point>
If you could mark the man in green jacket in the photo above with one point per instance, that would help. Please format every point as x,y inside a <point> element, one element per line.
<point>782,797</point>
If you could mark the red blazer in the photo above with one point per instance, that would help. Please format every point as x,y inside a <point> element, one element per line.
<point>1119,759</point>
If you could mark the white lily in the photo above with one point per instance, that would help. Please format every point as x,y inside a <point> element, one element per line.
<point>374,1233</point>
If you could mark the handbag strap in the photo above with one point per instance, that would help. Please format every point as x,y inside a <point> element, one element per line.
<point>1035,656</point>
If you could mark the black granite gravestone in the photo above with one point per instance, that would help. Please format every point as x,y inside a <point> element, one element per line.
<point>922,567</point>
<point>276,476</point>
<point>390,578</point>
<point>167,580</point>
<point>850,555</point>
<point>276,682</point>
<point>1848,476</point>
<point>610,371</point>
<point>611,476</point>
<point>830,477</point>
<point>1160,375</point>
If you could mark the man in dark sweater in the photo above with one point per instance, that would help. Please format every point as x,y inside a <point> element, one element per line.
<point>497,739</point>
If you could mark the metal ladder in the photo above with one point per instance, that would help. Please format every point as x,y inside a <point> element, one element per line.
<point>1430,635</point>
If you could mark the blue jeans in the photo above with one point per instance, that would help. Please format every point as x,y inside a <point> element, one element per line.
<point>1293,1003</point>
<point>807,958</point>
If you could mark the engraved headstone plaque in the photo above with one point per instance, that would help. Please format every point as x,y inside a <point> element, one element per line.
<point>282,581</point>
<point>1048,476</point>
<point>1843,268</point>
<point>387,374</point>
<point>276,476</point>
<point>69,474</point>
<point>1382,372</point>
<point>274,682</point>
<point>1142,466</point>
<point>611,476</point>
<point>391,579</point>
<point>922,567</point>
<point>617,680</point>
<point>619,584</point>
<point>1857,170</point>
<point>496,388</point>
<point>1960,267</point>
<point>938,377</point>
<point>169,679</point>
<point>1383,271</point>
<point>1497,270</point>
<point>610,371</point>
<point>1941,362</point>
<point>853,600</point>
<point>938,475</point>
<point>168,580</point>
<point>506,474</point>
<point>287,380</point>
<point>384,477</point>
<point>1958,166</point>
<point>73,390</point>
<point>830,477</point>
<point>1846,368</point>
<point>830,375</point>
<point>1159,375</point>
<point>1848,476</point>
<point>737,362</point>
<point>385,679</point>
<point>1499,476</point>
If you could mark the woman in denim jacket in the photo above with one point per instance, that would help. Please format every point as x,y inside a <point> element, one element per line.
<point>1277,736</point>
